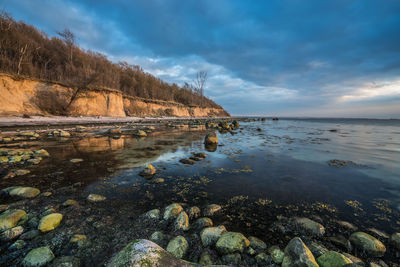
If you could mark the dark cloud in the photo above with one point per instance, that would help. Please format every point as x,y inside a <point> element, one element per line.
<point>278,52</point>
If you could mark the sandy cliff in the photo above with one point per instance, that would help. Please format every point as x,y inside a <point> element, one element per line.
<point>28,96</point>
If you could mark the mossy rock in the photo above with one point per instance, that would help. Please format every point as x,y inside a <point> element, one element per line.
<point>333,259</point>
<point>38,257</point>
<point>172,211</point>
<point>231,242</point>
<point>178,246</point>
<point>298,254</point>
<point>24,192</point>
<point>368,244</point>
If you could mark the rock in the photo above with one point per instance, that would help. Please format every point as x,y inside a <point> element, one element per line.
<point>10,218</point>
<point>182,222</point>
<point>12,233</point>
<point>3,160</point>
<point>80,240</point>
<point>257,243</point>
<point>298,254</point>
<point>17,245</point>
<point>30,234</point>
<point>95,198</point>
<point>172,211</point>
<point>50,222</point>
<point>251,251</point>
<point>66,261</point>
<point>47,194</point>
<point>347,225</point>
<point>378,233</point>
<point>114,131</point>
<point>21,172</point>
<point>178,246</point>
<point>22,191</point>
<point>193,212</point>
<point>263,259</point>
<point>158,237</point>
<point>153,214</point>
<point>148,171</point>
<point>64,134</point>
<point>42,153</point>
<point>141,133</point>
<point>200,155</point>
<point>317,249</point>
<point>233,259</point>
<point>38,257</point>
<point>333,259</point>
<point>143,252</point>
<point>211,138</point>
<point>231,242</point>
<point>203,222</point>
<point>205,259</point>
<point>211,209</point>
<point>210,235</point>
<point>276,254</point>
<point>187,161</point>
<point>158,181</point>
<point>354,259</point>
<point>368,244</point>
<point>310,226</point>
<point>341,242</point>
<point>35,161</point>
<point>76,160</point>
<point>395,240</point>
<point>70,202</point>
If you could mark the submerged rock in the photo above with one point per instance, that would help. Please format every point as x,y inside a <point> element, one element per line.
<point>205,259</point>
<point>182,222</point>
<point>231,242</point>
<point>210,235</point>
<point>178,246</point>
<point>368,244</point>
<point>187,161</point>
<point>153,214</point>
<point>143,252</point>
<point>148,171</point>
<point>66,261</point>
<point>276,254</point>
<point>203,222</point>
<point>211,209</point>
<point>395,240</point>
<point>76,160</point>
<point>50,222</point>
<point>333,259</point>
<point>193,212</point>
<point>172,211</point>
<point>10,218</point>
<point>96,198</point>
<point>38,257</point>
<point>257,243</point>
<point>158,237</point>
<point>298,254</point>
<point>263,259</point>
<point>310,226</point>
<point>22,191</point>
<point>12,233</point>
<point>70,202</point>
<point>42,153</point>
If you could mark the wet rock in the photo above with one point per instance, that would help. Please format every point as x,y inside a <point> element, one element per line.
<point>211,209</point>
<point>21,172</point>
<point>22,191</point>
<point>182,222</point>
<point>347,225</point>
<point>187,161</point>
<point>200,155</point>
<point>251,251</point>
<point>80,240</point>
<point>96,198</point>
<point>153,214</point>
<point>395,240</point>
<point>231,242</point>
<point>378,232</point>
<point>263,259</point>
<point>310,226</point>
<point>19,244</point>
<point>354,259</point>
<point>141,133</point>
<point>66,261</point>
<point>210,235</point>
<point>30,234</point>
<point>193,212</point>
<point>298,254</point>
<point>203,222</point>
<point>205,259</point>
<point>50,222</point>
<point>317,249</point>
<point>76,160</point>
<point>333,259</point>
<point>232,259</point>
<point>341,242</point>
<point>70,202</point>
<point>38,257</point>
<point>10,218</point>
<point>63,133</point>
<point>148,171</point>
<point>47,194</point>
<point>211,138</point>
<point>143,252</point>
<point>158,181</point>
<point>158,237</point>
<point>178,246</point>
<point>257,243</point>
<point>42,153</point>
<point>12,233</point>
<point>276,254</point>
<point>172,211</point>
<point>368,244</point>
<point>114,131</point>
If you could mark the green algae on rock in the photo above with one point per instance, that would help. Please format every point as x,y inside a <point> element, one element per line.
<point>333,259</point>
<point>10,218</point>
<point>231,242</point>
<point>298,254</point>
<point>368,244</point>
<point>38,257</point>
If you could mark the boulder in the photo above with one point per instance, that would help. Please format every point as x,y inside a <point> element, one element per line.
<point>297,254</point>
<point>210,235</point>
<point>178,246</point>
<point>193,212</point>
<point>172,211</point>
<point>333,259</point>
<point>368,244</point>
<point>38,257</point>
<point>70,202</point>
<point>276,254</point>
<point>148,171</point>
<point>263,259</point>
<point>200,223</point>
<point>66,261</point>
<point>231,242</point>
<point>182,222</point>
<point>310,226</point>
<point>12,233</point>
<point>158,237</point>
<point>50,222</point>
<point>211,138</point>
<point>153,214</point>
<point>10,218</point>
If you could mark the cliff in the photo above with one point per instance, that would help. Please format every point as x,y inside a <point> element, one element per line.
<point>20,96</point>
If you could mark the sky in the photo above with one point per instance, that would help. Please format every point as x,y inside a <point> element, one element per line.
<point>318,58</point>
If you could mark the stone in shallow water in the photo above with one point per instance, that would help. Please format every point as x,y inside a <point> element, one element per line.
<point>203,222</point>
<point>76,160</point>
<point>257,243</point>
<point>193,212</point>
<point>66,261</point>
<point>80,240</point>
<point>70,202</point>
<point>50,222</point>
<point>395,240</point>
<point>12,233</point>
<point>263,259</point>
<point>96,198</point>
<point>187,161</point>
<point>298,254</point>
<point>38,257</point>
<point>333,259</point>
<point>153,214</point>
<point>22,191</point>
<point>158,237</point>
<point>182,222</point>
<point>231,242</point>
<point>310,226</point>
<point>368,244</point>
<point>148,171</point>
<point>17,245</point>
<point>172,211</point>
<point>10,218</point>
<point>276,254</point>
<point>211,209</point>
<point>178,246</point>
<point>210,235</point>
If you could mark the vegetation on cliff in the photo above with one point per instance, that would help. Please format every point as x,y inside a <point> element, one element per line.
<point>24,50</point>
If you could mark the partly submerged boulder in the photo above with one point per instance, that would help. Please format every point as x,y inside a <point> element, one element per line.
<point>368,244</point>
<point>298,254</point>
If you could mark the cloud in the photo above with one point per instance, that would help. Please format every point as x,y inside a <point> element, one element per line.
<point>263,57</point>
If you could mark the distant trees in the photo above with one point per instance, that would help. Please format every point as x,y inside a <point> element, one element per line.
<point>24,50</point>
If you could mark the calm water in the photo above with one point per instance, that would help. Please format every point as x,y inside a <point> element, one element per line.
<point>268,168</point>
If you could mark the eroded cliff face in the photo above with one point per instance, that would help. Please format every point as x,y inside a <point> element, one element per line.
<point>32,97</point>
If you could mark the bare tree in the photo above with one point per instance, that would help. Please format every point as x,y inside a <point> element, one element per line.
<point>199,84</point>
<point>69,39</point>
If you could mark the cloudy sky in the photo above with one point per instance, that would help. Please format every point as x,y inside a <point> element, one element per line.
<point>336,58</point>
